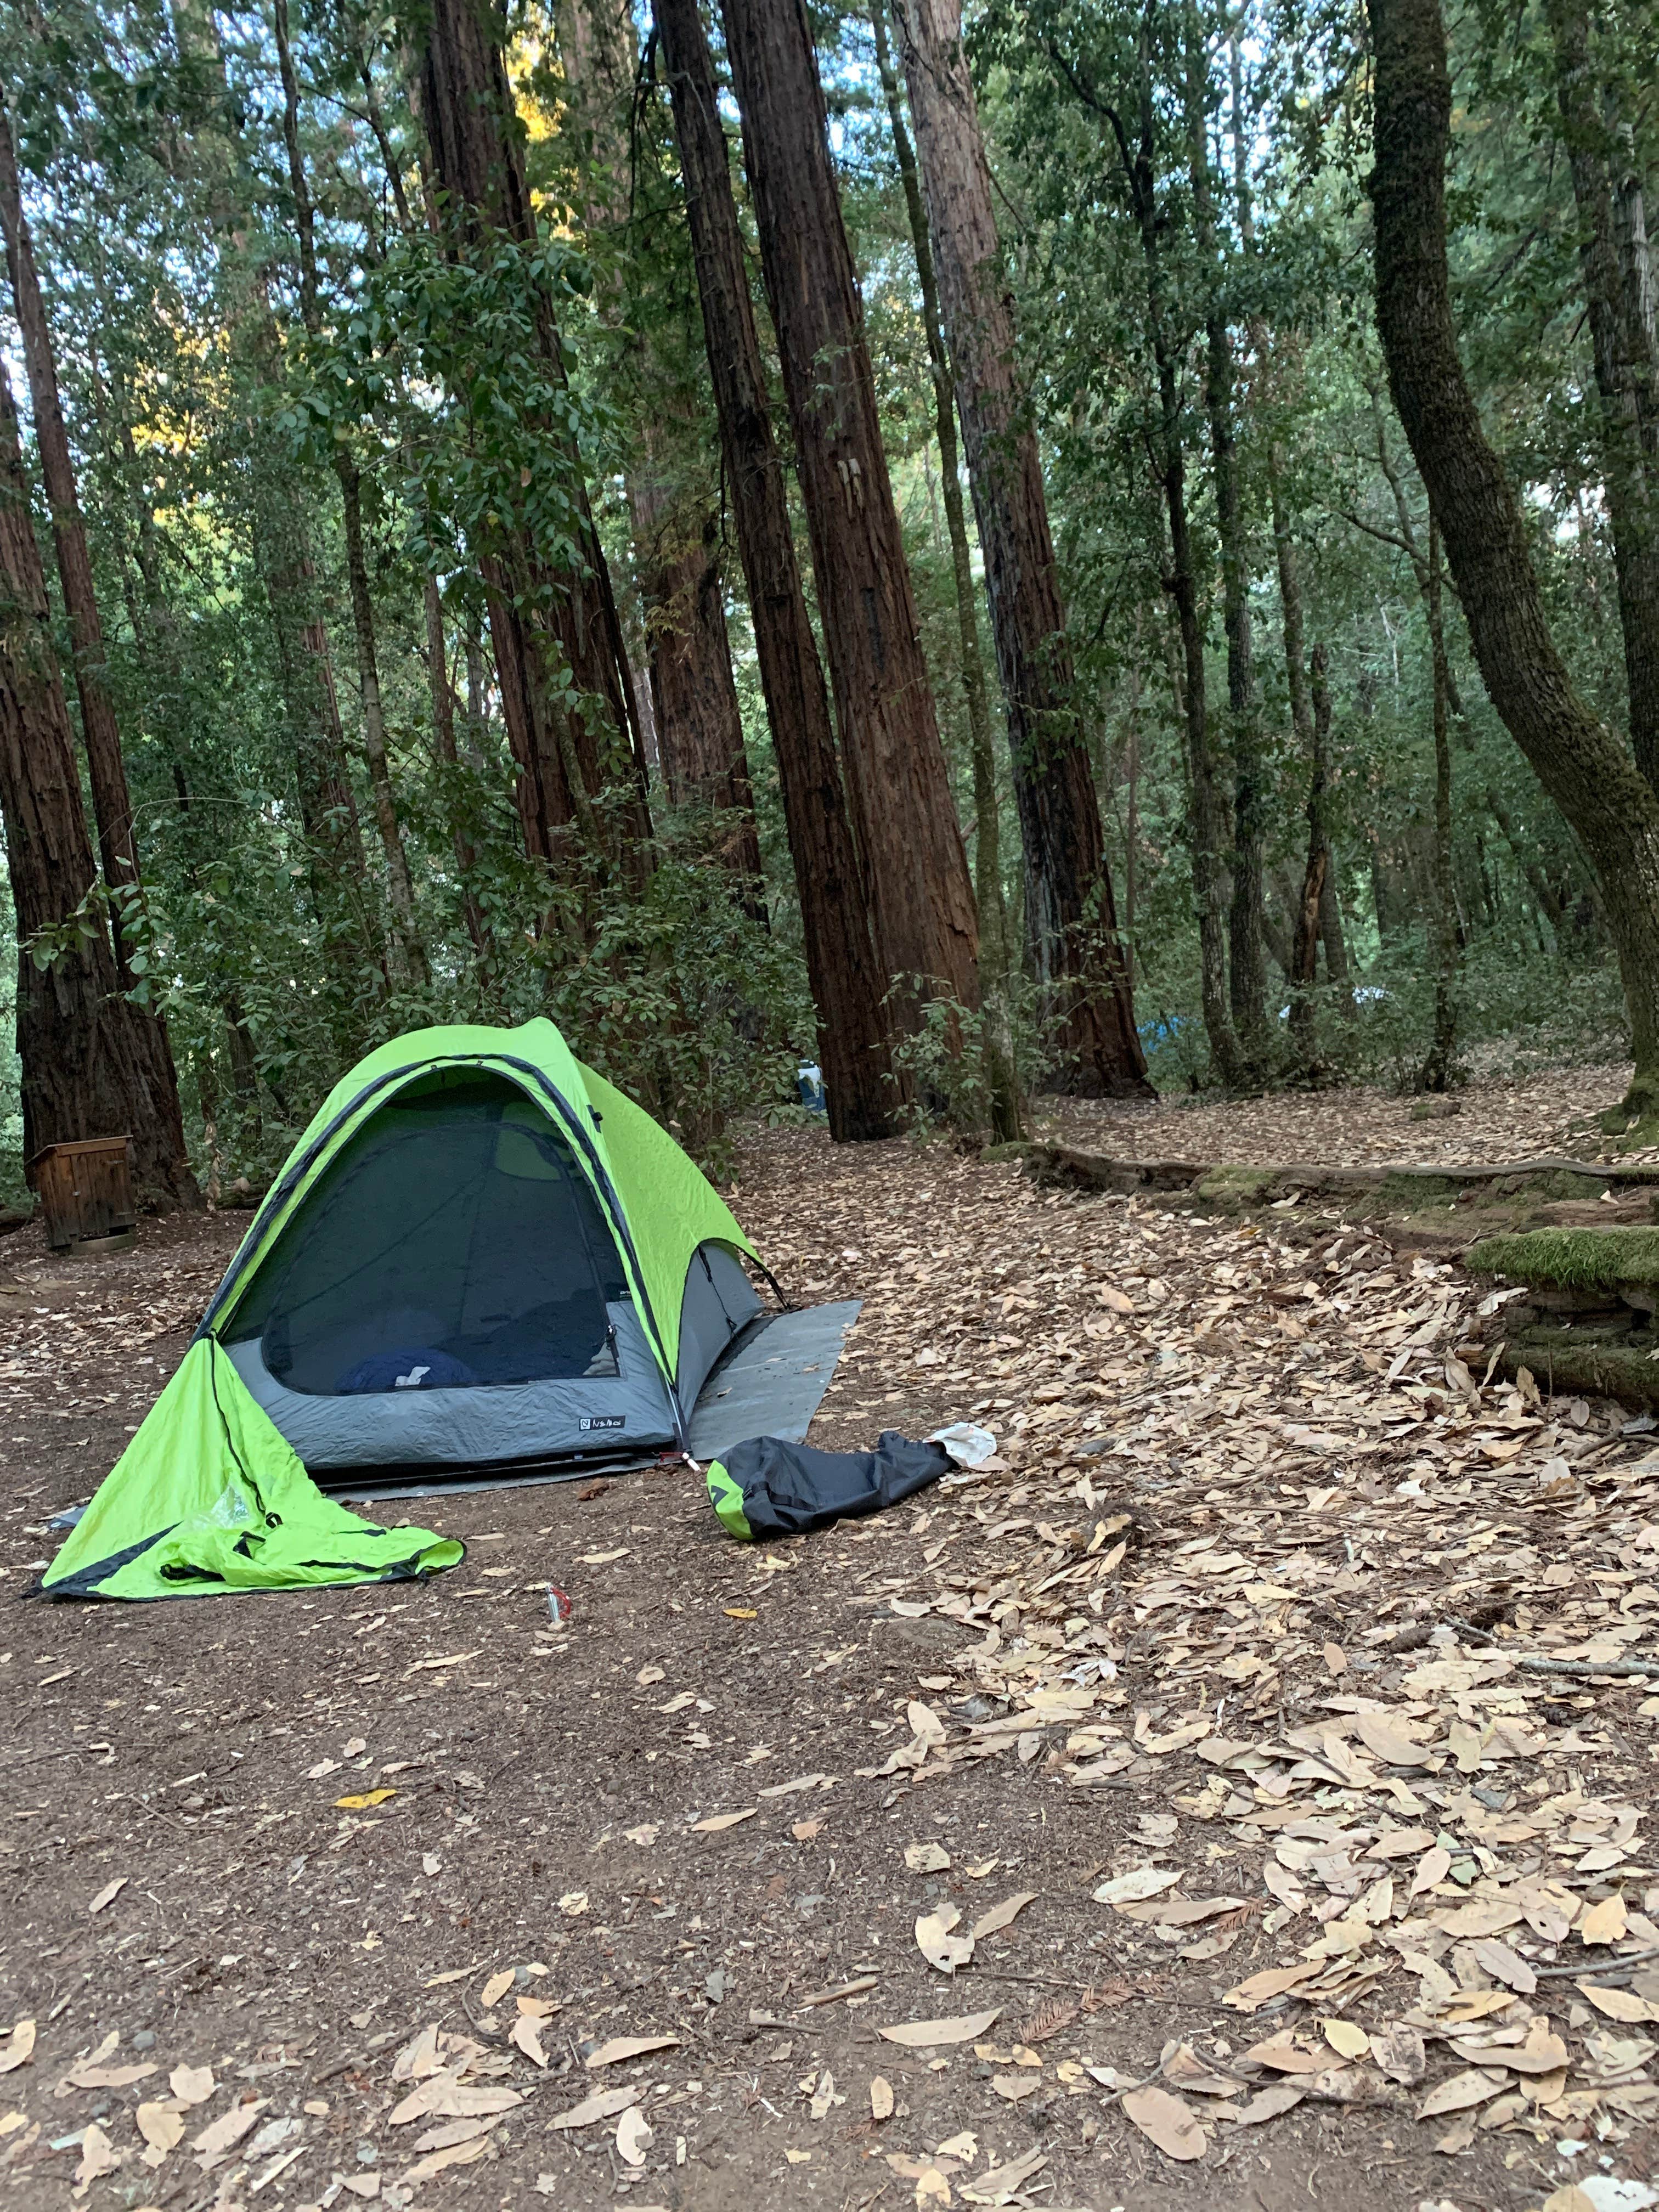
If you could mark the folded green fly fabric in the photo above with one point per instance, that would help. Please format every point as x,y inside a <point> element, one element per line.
<point>208,1497</point>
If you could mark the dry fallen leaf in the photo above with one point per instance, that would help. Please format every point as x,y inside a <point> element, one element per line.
<point>881,2098</point>
<point>720,1821</point>
<point>98,2156</point>
<point>1142,1882</point>
<point>630,2047</point>
<point>938,1945</point>
<point>1459,2093</point>
<point>1347,2037</point>
<point>191,2085</point>
<point>1002,1916</point>
<point>108,1894</point>
<point>18,2046</point>
<point>497,1987</point>
<point>1619,2004</point>
<point>525,2035</point>
<point>162,2128</point>
<point>603,2105</point>
<point>1170,2121</point>
<point>917,2034</point>
<point>926,1858</point>
<point>634,2136</point>
<point>364,1798</point>
<point>1605,1923</point>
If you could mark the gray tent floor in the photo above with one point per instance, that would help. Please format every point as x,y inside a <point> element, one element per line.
<point>771,1386</point>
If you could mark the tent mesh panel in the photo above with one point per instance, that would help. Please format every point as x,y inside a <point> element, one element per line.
<point>453,1243</point>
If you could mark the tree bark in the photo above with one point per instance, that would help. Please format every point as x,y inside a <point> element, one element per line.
<point>94,1064</point>
<point>694,694</point>
<point>1591,776</point>
<point>847,983</point>
<point>1246,972</point>
<point>1626,369</point>
<point>544,622</point>
<point>996,961</point>
<point>915,865</point>
<point>1071,920</point>
<point>443,731</point>
<point>1436,1069</point>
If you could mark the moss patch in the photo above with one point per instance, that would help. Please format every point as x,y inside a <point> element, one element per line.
<point>1582,1258</point>
<point>1230,1186</point>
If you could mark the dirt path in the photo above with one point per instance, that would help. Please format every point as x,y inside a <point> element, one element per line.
<point>1195,1641</point>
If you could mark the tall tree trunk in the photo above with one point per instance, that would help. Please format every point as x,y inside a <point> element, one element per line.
<point>1139,160</point>
<point>1626,369</point>
<point>1072,920</point>
<point>546,622</point>
<point>915,865</point>
<point>1436,1069</point>
<point>111,802</point>
<point>1591,776</point>
<point>443,731</point>
<point>847,983</point>
<point>694,694</point>
<point>1315,704</point>
<point>1247,973</point>
<point>409,956</point>
<point>94,1064</point>
<point>996,961</point>
<point>164,1166</point>
<point>696,721</point>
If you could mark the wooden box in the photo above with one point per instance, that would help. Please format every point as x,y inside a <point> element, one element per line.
<point>85,1189</point>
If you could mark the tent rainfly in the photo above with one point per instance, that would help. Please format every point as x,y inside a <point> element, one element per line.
<point>480,1256</point>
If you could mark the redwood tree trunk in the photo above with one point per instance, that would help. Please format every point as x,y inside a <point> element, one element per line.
<point>921,895</point>
<point>846,982</point>
<point>544,620</point>
<point>694,694</point>
<point>112,802</point>
<point>1591,777</point>
<point>996,958</point>
<point>94,1064</point>
<point>1073,923</point>
<point>1626,373</point>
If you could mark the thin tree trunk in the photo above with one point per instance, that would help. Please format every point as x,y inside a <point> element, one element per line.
<point>1071,921</point>
<point>408,955</point>
<point>694,694</point>
<point>1208,843</point>
<point>1246,974</point>
<point>1304,971</point>
<point>1591,776</point>
<point>443,731</point>
<point>995,953</point>
<point>548,623</point>
<point>94,1064</point>
<point>1626,371</point>
<point>696,721</point>
<point>921,894</point>
<point>1436,1069</point>
<point>847,983</point>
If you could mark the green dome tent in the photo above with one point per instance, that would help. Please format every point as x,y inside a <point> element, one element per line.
<point>480,1257</point>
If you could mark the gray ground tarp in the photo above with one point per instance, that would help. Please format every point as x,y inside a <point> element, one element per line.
<point>772,1385</point>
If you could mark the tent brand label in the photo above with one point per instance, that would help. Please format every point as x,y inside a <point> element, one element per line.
<point>605,1421</point>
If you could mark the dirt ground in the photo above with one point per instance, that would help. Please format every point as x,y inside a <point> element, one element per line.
<point>1552,1113</point>
<point>1241,1627</point>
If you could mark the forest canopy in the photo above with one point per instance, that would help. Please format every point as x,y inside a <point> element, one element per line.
<point>1064,547</point>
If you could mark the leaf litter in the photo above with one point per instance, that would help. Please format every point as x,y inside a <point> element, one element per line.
<point>1253,1573</point>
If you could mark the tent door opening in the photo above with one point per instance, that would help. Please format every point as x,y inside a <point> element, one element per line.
<point>453,1244</point>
